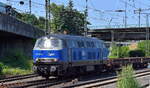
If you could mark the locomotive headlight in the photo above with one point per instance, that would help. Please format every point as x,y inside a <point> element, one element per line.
<point>37,59</point>
<point>47,43</point>
<point>55,60</point>
<point>47,60</point>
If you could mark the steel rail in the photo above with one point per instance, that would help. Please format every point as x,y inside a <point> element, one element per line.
<point>104,81</point>
<point>13,78</point>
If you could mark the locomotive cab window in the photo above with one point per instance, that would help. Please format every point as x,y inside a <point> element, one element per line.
<point>49,43</point>
<point>92,44</point>
<point>80,44</point>
<point>72,43</point>
<point>88,44</point>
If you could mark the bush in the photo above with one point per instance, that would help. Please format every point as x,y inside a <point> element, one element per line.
<point>126,78</point>
<point>17,59</point>
<point>15,71</point>
<point>136,53</point>
<point>119,52</point>
<point>143,45</point>
<point>15,63</point>
<point>1,67</point>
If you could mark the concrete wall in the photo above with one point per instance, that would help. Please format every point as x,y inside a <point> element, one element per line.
<point>16,35</point>
<point>12,25</point>
<point>16,43</point>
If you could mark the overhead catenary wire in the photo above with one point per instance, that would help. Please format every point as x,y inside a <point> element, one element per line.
<point>105,13</point>
<point>142,3</point>
<point>128,4</point>
<point>36,4</point>
<point>85,19</point>
<point>108,12</point>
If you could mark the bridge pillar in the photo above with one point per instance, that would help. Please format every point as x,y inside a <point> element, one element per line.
<point>112,38</point>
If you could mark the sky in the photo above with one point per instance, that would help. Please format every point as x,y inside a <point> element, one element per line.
<point>101,13</point>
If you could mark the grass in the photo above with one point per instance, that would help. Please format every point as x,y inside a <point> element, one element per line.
<point>15,71</point>
<point>1,68</point>
<point>126,78</point>
<point>113,57</point>
<point>15,63</point>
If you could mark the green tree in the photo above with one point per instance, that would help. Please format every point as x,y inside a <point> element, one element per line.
<point>56,18</point>
<point>119,51</point>
<point>29,18</point>
<point>67,19</point>
<point>113,51</point>
<point>145,47</point>
<point>32,19</point>
<point>124,51</point>
<point>64,18</point>
<point>41,21</point>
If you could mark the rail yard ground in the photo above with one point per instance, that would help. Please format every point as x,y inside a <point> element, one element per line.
<point>103,81</point>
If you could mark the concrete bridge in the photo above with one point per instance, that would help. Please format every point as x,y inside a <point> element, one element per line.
<point>120,34</point>
<point>17,35</point>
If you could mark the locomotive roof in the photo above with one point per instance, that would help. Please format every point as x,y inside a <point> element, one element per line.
<point>62,36</point>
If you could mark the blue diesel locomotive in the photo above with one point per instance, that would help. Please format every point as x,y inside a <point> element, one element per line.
<point>58,54</point>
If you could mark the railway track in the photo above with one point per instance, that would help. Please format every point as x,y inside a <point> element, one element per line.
<point>105,81</point>
<point>46,83</point>
<point>36,82</point>
<point>30,81</point>
<point>18,77</point>
<point>15,80</point>
<point>145,86</point>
